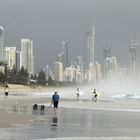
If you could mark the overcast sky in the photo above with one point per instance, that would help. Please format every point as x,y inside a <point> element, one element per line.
<point>48,22</point>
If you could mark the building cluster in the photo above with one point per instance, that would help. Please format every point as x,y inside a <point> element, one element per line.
<point>87,70</point>
<point>83,70</point>
<point>11,57</point>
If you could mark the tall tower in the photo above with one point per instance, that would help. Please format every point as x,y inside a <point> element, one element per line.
<point>106,55</point>
<point>27,58</point>
<point>133,57</point>
<point>107,50</point>
<point>65,52</point>
<point>90,48</point>
<point>1,44</point>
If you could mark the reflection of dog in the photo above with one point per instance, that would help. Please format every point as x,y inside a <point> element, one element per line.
<point>42,108</point>
<point>35,108</point>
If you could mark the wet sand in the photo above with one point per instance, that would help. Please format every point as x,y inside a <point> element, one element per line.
<point>75,122</point>
<point>12,119</point>
<point>105,119</point>
<point>16,98</point>
<point>8,119</point>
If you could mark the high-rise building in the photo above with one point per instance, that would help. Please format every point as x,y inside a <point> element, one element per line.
<point>27,58</point>
<point>18,60</point>
<point>107,52</point>
<point>10,56</point>
<point>90,48</point>
<point>91,74</point>
<point>48,73</point>
<point>58,72</point>
<point>65,53</point>
<point>133,58</point>
<point>110,68</point>
<point>74,74</point>
<point>60,58</point>
<point>98,71</point>
<point>79,62</point>
<point>1,44</point>
<point>70,74</point>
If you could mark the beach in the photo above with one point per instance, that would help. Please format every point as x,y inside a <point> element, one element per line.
<point>121,117</point>
<point>16,98</point>
<point>7,119</point>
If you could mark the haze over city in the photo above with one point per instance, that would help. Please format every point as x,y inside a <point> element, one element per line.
<point>69,69</point>
<point>48,22</point>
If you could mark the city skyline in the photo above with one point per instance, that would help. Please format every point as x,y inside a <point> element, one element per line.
<point>116,21</point>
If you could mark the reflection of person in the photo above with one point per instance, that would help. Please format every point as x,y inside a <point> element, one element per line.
<point>55,101</point>
<point>54,119</point>
<point>6,90</point>
<point>77,93</point>
<point>94,98</point>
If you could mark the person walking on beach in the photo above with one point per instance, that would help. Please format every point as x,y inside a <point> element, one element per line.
<point>6,90</point>
<point>55,101</point>
<point>94,98</point>
<point>77,93</point>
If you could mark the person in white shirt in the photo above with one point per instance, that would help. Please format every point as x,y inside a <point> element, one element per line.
<point>6,90</point>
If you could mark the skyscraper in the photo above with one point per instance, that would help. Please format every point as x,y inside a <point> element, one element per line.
<point>10,56</point>
<point>27,58</point>
<point>60,58</point>
<point>98,71</point>
<point>133,58</point>
<point>110,68</point>
<point>1,44</point>
<point>58,71</point>
<point>107,52</point>
<point>18,60</point>
<point>90,48</point>
<point>65,52</point>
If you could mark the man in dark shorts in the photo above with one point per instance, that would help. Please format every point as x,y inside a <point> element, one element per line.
<point>55,101</point>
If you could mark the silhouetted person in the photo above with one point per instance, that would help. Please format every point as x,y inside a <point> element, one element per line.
<point>6,90</point>
<point>42,109</point>
<point>94,98</point>
<point>77,94</point>
<point>55,101</point>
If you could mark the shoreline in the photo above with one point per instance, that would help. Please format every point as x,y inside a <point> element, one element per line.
<point>8,120</point>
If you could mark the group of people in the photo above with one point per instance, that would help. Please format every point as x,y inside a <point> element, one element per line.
<point>55,97</point>
<point>94,95</point>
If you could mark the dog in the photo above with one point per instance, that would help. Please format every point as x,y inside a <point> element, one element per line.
<point>42,109</point>
<point>35,108</point>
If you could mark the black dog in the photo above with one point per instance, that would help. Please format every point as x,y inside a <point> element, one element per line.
<point>42,108</point>
<point>35,108</point>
